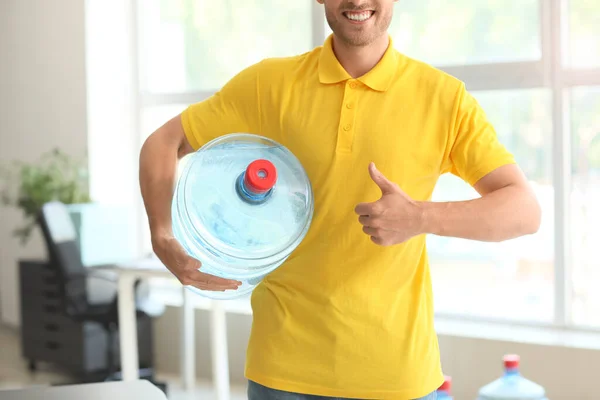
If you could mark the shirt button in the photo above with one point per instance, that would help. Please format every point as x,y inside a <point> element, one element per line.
<point>347,127</point>
<point>349,105</point>
<point>353,85</point>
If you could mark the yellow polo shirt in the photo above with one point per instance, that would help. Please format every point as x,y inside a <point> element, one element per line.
<point>344,317</point>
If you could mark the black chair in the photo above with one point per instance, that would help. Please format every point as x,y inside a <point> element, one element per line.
<point>64,254</point>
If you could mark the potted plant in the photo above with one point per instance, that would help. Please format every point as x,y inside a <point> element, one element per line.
<point>27,186</point>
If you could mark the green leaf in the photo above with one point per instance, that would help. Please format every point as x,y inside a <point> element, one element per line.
<point>27,186</point>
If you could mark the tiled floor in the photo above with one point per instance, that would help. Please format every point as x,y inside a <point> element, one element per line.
<point>14,374</point>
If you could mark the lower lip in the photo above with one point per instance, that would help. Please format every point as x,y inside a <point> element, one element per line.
<point>352,21</point>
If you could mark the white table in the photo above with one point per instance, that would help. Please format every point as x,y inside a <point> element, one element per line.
<point>128,273</point>
<point>92,391</point>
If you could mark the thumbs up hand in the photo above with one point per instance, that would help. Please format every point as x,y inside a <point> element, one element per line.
<point>392,219</point>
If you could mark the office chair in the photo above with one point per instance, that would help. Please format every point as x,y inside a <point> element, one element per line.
<point>60,236</point>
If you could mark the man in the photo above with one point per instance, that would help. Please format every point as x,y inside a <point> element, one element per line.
<point>350,313</point>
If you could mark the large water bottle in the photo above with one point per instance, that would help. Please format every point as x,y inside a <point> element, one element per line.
<point>512,386</point>
<point>445,390</point>
<point>242,204</point>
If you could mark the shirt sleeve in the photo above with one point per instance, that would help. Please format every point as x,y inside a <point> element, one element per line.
<point>234,108</point>
<point>476,150</point>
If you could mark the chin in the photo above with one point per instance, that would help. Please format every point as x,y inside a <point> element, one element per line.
<point>356,40</point>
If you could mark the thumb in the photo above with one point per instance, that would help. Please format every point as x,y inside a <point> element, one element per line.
<point>380,180</point>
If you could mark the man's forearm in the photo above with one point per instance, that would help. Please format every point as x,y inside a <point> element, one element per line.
<point>504,214</point>
<point>158,165</point>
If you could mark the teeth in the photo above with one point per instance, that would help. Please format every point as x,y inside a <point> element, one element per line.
<point>359,16</point>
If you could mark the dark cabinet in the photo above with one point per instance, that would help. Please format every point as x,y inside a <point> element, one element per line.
<point>49,335</point>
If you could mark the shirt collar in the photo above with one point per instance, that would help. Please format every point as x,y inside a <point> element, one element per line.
<point>379,78</point>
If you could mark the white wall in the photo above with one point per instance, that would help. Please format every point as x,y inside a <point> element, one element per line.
<point>566,373</point>
<point>42,105</point>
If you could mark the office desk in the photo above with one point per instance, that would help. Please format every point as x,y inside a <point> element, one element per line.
<point>128,273</point>
<point>92,391</point>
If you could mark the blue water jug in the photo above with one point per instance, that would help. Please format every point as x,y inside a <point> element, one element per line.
<point>444,391</point>
<point>512,386</point>
<point>241,205</point>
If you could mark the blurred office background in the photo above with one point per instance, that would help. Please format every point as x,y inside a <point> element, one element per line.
<point>94,78</point>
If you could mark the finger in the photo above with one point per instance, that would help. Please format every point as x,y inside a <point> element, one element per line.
<point>375,222</point>
<point>207,286</point>
<point>193,271</point>
<point>371,231</point>
<point>216,288</point>
<point>365,209</point>
<point>212,280</point>
<point>364,220</point>
<point>211,288</point>
<point>367,220</point>
<point>218,281</point>
<point>377,240</point>
<point>386,186</point>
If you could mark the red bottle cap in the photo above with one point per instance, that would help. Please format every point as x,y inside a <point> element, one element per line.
<point>260,176</point>
<point>511,361</point>
<point>447,385</point>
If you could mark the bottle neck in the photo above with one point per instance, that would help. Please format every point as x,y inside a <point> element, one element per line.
<point>247,194</point>
<point>511,371</point>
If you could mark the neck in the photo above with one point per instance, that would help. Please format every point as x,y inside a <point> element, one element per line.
<point>358,60</point>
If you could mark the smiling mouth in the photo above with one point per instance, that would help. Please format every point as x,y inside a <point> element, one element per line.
<point>358,16</point>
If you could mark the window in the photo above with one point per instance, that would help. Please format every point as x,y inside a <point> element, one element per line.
<point>512,279</point>
<point>533,66</point>
<point>196,45</point>
<point>585,204</point>
<point>543,97</point>
<point>468,32</point>
<point>583,33</point>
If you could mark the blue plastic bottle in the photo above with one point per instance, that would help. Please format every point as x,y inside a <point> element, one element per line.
<point>242,204</point>
<point>444,391</point>
<point>512,386</point>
